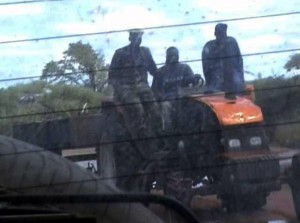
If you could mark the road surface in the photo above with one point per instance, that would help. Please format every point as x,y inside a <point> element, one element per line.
<point>279,209</point>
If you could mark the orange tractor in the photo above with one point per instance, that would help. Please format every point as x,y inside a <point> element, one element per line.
<point>241,167</point>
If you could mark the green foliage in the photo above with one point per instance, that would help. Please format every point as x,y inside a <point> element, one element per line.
<point>62,91</point>
<point>19,102</point>
<point>288,135</point>
<point>67,98</point>
<point>279,99</point>
<point>293,62</point>
<point>81,65</point>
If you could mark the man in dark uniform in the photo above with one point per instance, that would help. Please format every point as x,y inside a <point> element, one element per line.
<point>168,83</point>
<point>173,76</point>
<point>223,63</point>
<point>128,75</point>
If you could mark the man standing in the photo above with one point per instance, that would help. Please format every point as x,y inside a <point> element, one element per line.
<point>223,63</point>
<point>128,75</point>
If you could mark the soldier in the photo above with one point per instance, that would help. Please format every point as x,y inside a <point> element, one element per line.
<point>167,85</point>
<point>173,76</point>
<point>128,75</point>
<point>223,64</point>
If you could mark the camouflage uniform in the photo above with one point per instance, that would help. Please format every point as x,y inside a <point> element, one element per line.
<point>168,84</point>
<point>128,75</point>
<point>171,79</point>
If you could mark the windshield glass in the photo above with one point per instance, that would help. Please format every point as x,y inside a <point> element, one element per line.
<point>196,100</point>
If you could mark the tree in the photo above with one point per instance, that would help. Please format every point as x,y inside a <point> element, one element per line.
<point>293,62</point>
<point>38,101</point>
<point>279,99</point>
<point>81,65</point>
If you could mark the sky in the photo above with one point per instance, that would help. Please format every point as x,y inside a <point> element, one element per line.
<point>67,17</point>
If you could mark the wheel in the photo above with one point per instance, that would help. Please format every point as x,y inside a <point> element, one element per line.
<point>249,202</point>
<point>118,164</point>
<point>34,171</point>
<point>295,183</point>
<point>124,156</point>
<point>118,159</point>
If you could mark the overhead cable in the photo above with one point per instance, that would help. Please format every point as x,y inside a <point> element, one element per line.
<point>158,64</point>
<point>145,102</point>
<point>28,2</point>
<point>149,28</point>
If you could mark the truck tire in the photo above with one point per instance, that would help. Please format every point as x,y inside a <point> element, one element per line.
<point>249,202</point>
<point>295,183</point>
<point>30,170</point>
<point>118,160</point>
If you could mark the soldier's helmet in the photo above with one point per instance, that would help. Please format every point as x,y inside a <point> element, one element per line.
<point>220,30</point>
<point>133,33</point>
<point>221,26</point>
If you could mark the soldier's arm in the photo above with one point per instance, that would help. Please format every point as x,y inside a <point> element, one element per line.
<point>157,84</point>
<point>239,58</point>
<point>233,58</point>
<point>205,62</point>
<point>232,47</point>
<point>151,65</point>
<point>188,76</point>
<point>114,69</point>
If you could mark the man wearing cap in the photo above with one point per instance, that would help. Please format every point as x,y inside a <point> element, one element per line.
<point>223,63</point>
<point>128,74</point>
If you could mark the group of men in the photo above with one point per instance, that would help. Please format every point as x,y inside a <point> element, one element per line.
<point>130,65</point>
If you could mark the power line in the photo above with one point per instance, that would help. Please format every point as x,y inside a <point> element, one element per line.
<point>28,2</point>
<point>296,122</point>
<point>150,28</point>
<point>131,104</point>
<point>158,64</point>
